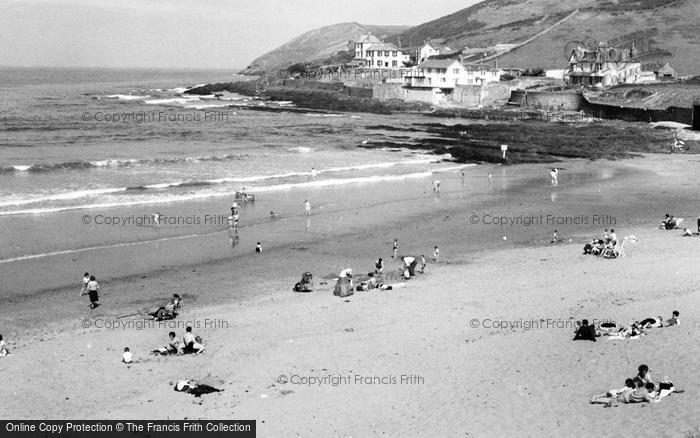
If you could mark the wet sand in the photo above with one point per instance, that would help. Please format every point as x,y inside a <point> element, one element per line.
<point>477,381</point>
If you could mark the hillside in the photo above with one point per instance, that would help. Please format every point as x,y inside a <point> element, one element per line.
<point>515,21</point>
<point>318,44</point>
<point>512,21</point>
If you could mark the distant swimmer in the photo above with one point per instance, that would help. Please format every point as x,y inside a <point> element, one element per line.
<point>273,215</point>
<point>490,177</point>
<point>436,185</point>
<point>461,171</point>
<point>307,208</point>
<point>554,176</point>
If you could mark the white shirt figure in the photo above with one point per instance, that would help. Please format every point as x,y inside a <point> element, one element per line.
<point>554,173</point>
<point>156,219</point>
<point>345,273</point>
<point>436,185</point>
<point>436,254</point>
<point>127,357</point>
<point>235,205</point>
<point>490,177</point>
<point>313,173</point>
<point>307,208</point>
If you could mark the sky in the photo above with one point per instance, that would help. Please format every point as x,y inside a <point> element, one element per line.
<point>205,34</point>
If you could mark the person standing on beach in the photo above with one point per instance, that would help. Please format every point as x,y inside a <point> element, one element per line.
<point>436,254</point>
<point>490,177</point>
<point>423,264</point>
<point>379,266</point>
<point>86,280</point>
<point>307,208</point>
<point>396,248</point>
<point>258,248</point>
<point>436,185</point>
<point>92,288</point>
<point>555,237</point>
<point>313,173</point>
<point>554,175</point>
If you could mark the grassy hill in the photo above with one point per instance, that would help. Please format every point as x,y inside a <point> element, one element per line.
<point>318,44</point>
<point>514,21</point>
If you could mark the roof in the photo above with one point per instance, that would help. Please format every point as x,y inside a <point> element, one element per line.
<point>667,69</point>
<point>382,46</point>
<point>438,63</point>
<point>368,39</point>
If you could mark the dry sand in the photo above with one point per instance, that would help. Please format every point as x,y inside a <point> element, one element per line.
<point>470,378</point>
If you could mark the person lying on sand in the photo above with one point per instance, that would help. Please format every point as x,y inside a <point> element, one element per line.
<point>670,222</point>
<point>652,322</point>
<point>626,396</point>
<point>196,389</point>
<point>632,331</point>
<point>615,395</point>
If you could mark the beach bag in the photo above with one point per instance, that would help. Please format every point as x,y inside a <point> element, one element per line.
<point>343,288</point>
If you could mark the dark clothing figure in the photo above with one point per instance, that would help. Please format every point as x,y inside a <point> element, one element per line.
<point>585,332</point>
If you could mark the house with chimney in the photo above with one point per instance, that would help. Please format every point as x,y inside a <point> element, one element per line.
<point>371,52</point>
<point>600,67</point>
<point>447,74</point>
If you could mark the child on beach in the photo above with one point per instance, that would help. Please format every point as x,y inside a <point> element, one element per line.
<point>86,280</point>
<point>555,237</point>
<point>423,263</point>
<point>554,175</point>
<point>127,356</point>
<point>396,248</point>
<point>436,185</point>
<point>379,266</point>
<point>436,254</point>
<point>307,208</point>
<point>258,248</point>
<point>674,319</point>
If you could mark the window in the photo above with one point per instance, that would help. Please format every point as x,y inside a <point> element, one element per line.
<point>394,53</point>
<point>456,71</point>
<point>369,53</point>
<point>430,70</point>
<point>386,53</point>
<point>444,80</point>
<point>394,64</point>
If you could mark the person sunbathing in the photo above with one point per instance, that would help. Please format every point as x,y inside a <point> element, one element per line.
<point>674,319</point>
<point>621,395</point>
<point>172,348</point>
<point>196,389</point>
<point>191,344</point>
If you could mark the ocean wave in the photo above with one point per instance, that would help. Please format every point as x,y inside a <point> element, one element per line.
<point>127,96</point>
<point>158,197</point>
<point>76,165</point>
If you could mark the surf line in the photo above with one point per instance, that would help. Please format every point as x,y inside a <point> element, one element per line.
<point>114,245</point>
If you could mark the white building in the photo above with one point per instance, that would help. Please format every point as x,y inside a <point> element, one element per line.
<point>595,68</point>
<point>371,52</point>
<point>429,50</point>
<point>448,73</point>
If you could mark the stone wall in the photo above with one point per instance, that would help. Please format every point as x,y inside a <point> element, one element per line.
<point>548,100</point>
<point>468,96</point>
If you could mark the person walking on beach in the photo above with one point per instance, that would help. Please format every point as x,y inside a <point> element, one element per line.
<point>436,254</point>
<point>423,264</point>
<point>313,173</point>
<point>490,177</point>
<point>396,248</point>
<point>258,248</point>
<point>555,237</point>
<point>92,288</point>
<point>307,208</point>
<point>436,185</point>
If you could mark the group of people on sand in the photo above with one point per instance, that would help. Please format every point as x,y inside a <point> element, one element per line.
<point>91,288</point>
<point>603,246</point>
<point>640,389</point>
<point>3,348</point>
<point>407,270</point>
<point>589,332</point>
<point>670,222</point>
<point>190,344</point>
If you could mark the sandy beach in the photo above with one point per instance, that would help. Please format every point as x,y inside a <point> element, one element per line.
<point>433,356</point>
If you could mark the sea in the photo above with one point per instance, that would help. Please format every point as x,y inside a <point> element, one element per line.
<point>78,143</point>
